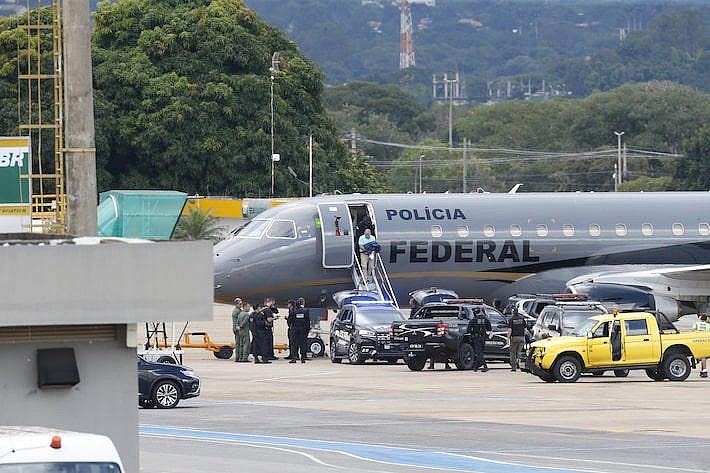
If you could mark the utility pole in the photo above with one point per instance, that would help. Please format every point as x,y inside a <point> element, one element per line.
<point>619,164</point>
<point>420,174</point>
<point>465,148</point>
<point>451,120</point>
<point>273,70</point>
<point>310,165</point>
<point>624,170</point>
<point>79,151</point>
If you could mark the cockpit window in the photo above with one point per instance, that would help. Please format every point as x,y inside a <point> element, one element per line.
<point>282,229</point>
<point>253,229</point>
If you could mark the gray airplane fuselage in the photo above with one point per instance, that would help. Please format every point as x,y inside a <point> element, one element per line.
<point>479,245</point>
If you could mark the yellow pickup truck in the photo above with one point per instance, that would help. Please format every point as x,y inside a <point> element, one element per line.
<point>631,340</point>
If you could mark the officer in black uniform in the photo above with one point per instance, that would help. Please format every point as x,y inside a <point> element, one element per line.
<point>291,345</point>
<point>517,327</point>
<point>299,319</point>
<point>478,328</point>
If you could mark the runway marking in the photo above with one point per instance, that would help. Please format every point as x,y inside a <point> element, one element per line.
<point>606,462</point>
<point>375,453</point>
<point>310,375</point>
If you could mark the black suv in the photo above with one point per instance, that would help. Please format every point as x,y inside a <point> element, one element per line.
<point>162,385</point>
<point>439,330</point>
<point>361,331</point>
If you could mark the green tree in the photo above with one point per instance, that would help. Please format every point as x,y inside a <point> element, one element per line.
<point>198,225</point>
<point>693,172</point>
<point>182,101</point>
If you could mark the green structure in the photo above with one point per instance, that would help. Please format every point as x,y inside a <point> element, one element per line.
<point>139,214</point>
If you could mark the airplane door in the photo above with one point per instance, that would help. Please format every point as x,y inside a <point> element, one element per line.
<point>336,230</point>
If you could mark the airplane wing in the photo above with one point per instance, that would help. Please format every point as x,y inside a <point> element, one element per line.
<point>682,284</point>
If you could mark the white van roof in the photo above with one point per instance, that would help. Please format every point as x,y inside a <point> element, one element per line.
<point>34,445</point>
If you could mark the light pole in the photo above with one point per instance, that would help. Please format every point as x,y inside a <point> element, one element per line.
<point>274,69</point>
<point>619,177</point>
<point>420,173</point>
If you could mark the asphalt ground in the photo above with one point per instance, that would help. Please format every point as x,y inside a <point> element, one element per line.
<point>321,416</point>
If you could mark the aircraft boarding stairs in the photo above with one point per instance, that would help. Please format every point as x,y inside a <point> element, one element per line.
<point>379,284</point>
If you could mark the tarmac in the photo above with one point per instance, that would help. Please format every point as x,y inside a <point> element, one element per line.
<point>321,416</point>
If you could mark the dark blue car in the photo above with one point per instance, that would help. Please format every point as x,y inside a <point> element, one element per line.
<point>162,385</point>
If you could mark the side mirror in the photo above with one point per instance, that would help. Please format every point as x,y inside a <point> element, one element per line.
<point>590,334</point>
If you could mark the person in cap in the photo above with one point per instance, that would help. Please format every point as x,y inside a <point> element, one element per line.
<point>703,325</point>
<point>235,325</point>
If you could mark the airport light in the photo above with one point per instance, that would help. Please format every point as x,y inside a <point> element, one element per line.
<point>619,178</point>
<point>273,70</point>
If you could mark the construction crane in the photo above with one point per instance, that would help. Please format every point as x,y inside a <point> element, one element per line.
<point>406,31</point>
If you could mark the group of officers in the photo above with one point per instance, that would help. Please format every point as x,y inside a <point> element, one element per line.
<point>253,329</point>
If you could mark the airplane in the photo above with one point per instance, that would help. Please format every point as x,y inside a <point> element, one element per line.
<point>649,249</point>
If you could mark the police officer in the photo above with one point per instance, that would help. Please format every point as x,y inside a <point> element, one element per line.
<point>703,325</point>
<point>260,340</point>
<point>291,306</point>
<point>516,337</point>
<point>478,327</point>
<point>235,326</point>
<point>270,305</point>
<point>300,323</point>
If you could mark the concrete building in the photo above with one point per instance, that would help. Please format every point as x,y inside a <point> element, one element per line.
<point>87,295</point>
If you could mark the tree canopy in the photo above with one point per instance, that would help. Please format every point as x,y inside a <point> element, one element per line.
<point>182,93</point>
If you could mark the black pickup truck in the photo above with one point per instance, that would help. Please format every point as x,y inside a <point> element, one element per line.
<point>439,330</point>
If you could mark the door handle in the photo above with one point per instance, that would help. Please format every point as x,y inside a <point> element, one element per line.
<point>645,339</point>
<point>605,343</point>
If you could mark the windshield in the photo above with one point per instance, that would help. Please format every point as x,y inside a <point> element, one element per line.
<point>253,229</point>
<point>374,317</point>
<point>573,319</point>
<point>583,328</point>
<point>63,467</point>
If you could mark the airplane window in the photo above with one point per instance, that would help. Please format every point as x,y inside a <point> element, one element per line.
<point>436,231</point>
<point>254,229</point>
<point>595,230</point>
<point>489,231</point>
<point>621,229</point>
<point>516,230</point>
<point>542,230</point>
<point>704,229</point>
<point>282,229</point>
<point>647,229</point>
<point>568,230</point>
<point>678,229</point>
<point>462,231</point>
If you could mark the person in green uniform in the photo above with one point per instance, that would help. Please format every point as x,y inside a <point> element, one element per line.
<point>241,335</point>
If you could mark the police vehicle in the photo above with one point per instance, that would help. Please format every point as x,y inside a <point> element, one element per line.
<point>440,331</point>
<point>361,331</point>
<point>562,317</point>
<point>163,385</point>
<point>39,449</point>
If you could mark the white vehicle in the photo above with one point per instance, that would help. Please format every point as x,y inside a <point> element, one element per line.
<point>42,450</point>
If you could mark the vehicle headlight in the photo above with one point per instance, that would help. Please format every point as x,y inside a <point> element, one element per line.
<point>188,373</point>
<point>366,333</point>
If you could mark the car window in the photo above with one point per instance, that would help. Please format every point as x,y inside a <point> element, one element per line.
<point>545,317</point>
<point>636,327</point>
<point>495,317</point>
<point>346,316</point>
<point>442,312</point>
<point>555,319</point>
<point>602,331</point>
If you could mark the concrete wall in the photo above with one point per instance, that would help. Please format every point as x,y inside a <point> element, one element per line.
<point>105,283</point>
<point>104,402</point>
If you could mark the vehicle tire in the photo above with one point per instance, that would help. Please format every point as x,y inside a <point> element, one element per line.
<point>465,358</point>
<point>655,374</point>
<point>166,394</point>
<point>333,356</point>
<point>567,369</point>
<point>354,355</point>
<point>316,347</point>
<point>621,373</point>
<point>225,352</point>
<point>416,363</point>
<point>598,373</point>
<point>167,359</point>
<point>676,366</point>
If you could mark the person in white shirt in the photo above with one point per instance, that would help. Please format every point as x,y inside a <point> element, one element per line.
<point>366,261</point>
